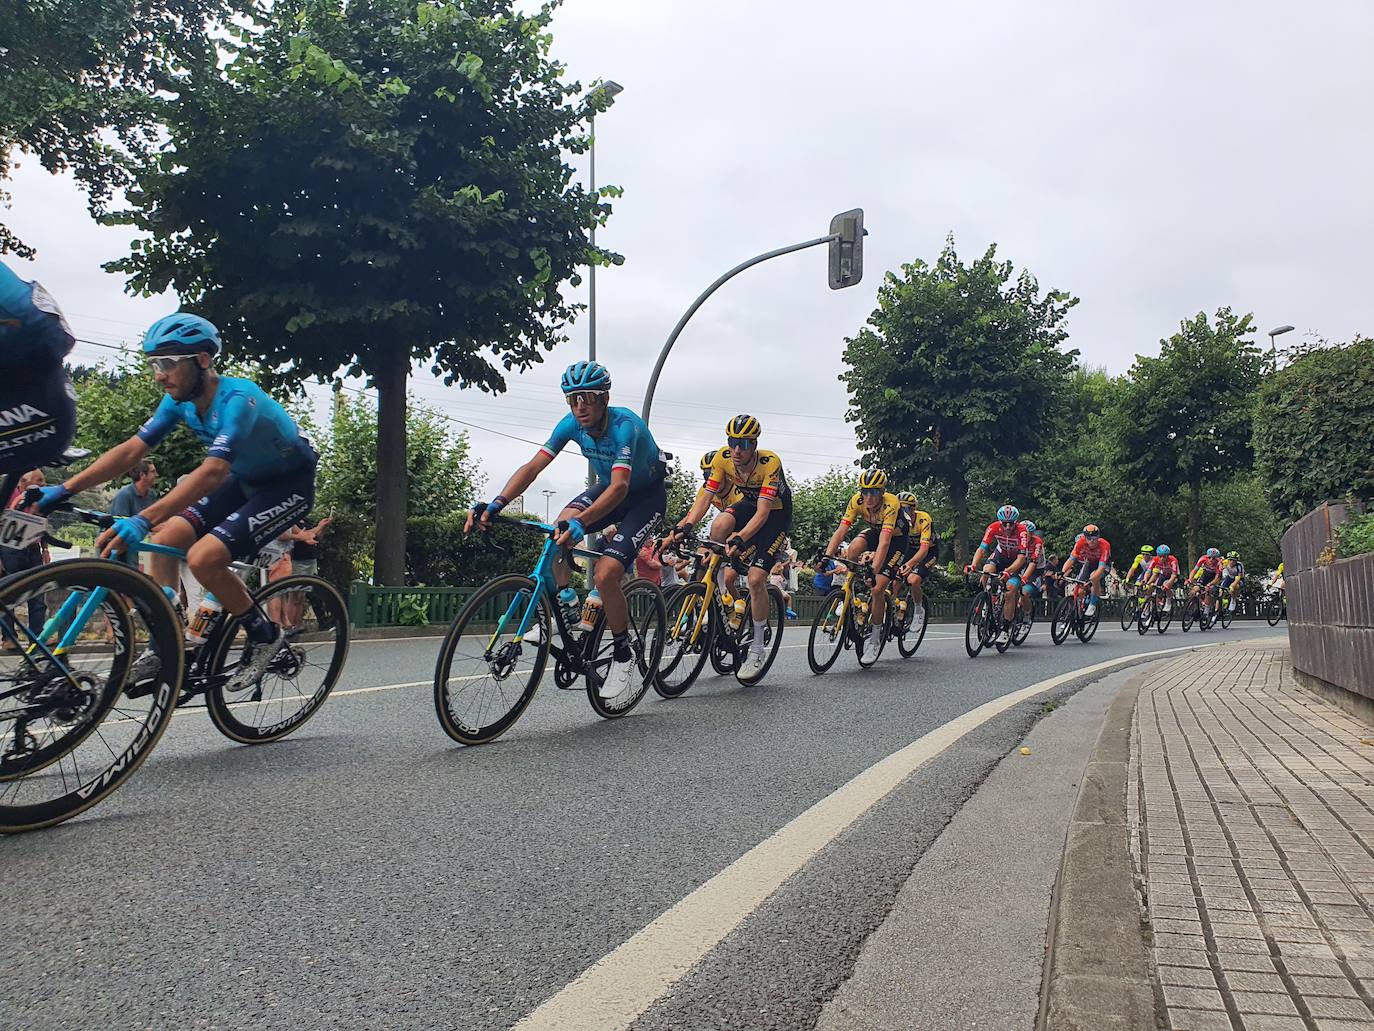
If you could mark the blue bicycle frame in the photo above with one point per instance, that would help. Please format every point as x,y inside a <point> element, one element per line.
<point>545,585</point>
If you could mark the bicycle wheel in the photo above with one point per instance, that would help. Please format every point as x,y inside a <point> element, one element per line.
<point>1273,611</point>
<point>1144,617</point>
<point>828,631</point>
<point>976,625</point>
<point>1164,615</point>
<point>913,635</point>
<point>299,677</point>
<point>644,602</point>
<point>687,643</point>
<point>724,643</point>
<point>1190,614</point>
<point>1130,609</point>
<point>870,646</point>
<point>67,736</point>
<point>1225,614</point>
<point>1062,622</point>
<point>772,635</point>
<point>1086,626</point>
<point>483,679</point>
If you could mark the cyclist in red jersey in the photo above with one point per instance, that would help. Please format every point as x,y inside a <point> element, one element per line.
<point>1163,572</point>
<point>1094,553</point>
<point>1008,540</point>
<point>1206,575</point>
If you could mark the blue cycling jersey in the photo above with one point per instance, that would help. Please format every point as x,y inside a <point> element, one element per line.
<point>626,444</point>
<point>243,426</point>
<point>34,337</point>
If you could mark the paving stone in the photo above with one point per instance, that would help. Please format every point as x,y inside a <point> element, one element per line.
<point>1309,985</point>
<point>1183,958</point>
<point>1297,934</point>
<point>1270,1022</point>
<point>1176,926</point>
<point>1192,998</point>
<point>1174,913</point>
<point>1264,1002</point>
<point>1188,977</point>
<point>1251,981</point>
<point>1343,1025</point>
<point>1338,1009</point>
<point>1236,905</point>
<point>1237,961</point>
<point>1253,946</point>
<point>1198,1020</point>
<point>1180,941</point>
<point>1312,965</point>
<point>1228,929</point>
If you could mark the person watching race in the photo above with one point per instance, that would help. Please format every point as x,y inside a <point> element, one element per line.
<point>1093,554</point>
<point>752,528</point>
<point>257,479</point>
<point>35,394</point>
<point>630,493</point>
<point>1205,576</point>
<point>1008,540</point>
<point>921,565</point>
<point>885,537</point>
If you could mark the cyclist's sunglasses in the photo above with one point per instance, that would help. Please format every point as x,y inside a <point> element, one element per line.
<point>588,397</point>
<point>744,442</point>
<point>166,363</point>
<point>873,492</point>
<point>1007,522</point>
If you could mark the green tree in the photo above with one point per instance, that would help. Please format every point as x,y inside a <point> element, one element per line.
<point>1313,428</point>
<point>84,81</point>
<point>1186,415</point>
<point>363,186</point>
<point>683,484</point>
<point>957,368</point>
<point>817,505</point>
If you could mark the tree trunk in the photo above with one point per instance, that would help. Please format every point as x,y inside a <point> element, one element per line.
<point>958,496</point>
<point>1194,523</point>
<point>389,558</point>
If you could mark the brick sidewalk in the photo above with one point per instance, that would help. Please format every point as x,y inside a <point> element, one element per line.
<point>1252,816</point>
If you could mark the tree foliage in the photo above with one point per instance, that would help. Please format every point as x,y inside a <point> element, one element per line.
<point>361,186</point>
<point>958,367</point>
<point>1313,428</point>
<point>817,505</point>
<point>82,81</point>
<point>1186,415</point>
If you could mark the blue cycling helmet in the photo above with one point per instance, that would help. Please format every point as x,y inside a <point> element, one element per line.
<point>1008,514</point>
<point>1030,526</point>
<point>1213,553</point>
<point>181,333</point>
<point>585,376</point>
<point>1162,550</point>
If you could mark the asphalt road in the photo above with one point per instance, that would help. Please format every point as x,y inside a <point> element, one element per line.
<point>369,872</point>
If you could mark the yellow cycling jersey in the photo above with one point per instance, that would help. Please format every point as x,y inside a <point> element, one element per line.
<point>922,526</point>
<point>765,482</point>
<point>1138,566</point>
<point>720,502</point>
<point>889,516</point>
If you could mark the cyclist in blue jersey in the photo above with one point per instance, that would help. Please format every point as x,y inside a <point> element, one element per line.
<point>37,405</point>
<point>630,491</point>
<point>257,480</point>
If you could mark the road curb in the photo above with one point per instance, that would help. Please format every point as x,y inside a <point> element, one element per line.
<point>1097,964</point>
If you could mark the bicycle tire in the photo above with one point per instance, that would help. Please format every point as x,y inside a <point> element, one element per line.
<point>975,625</point>
<point>1145,617</point>
<point>724,653</point>
<point>1130,609</point>
<point>83,790</point>
<point>648,617</point>
<point>778,607</point>
<point>690,658</point>
<point>453,725</point>
<point>831,625</point>
<point>1163,617</point>
<point>1190,614</point>
<point>1225,615</point>
<point>1086,628</point>
<point>1273,611</point>
<point>1062,622</point>
<point>1021,630</point>
<point>905,646</point>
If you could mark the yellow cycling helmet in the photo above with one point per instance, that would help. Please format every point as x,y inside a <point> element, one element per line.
<point>906,497</point>
<point>872,479</point>
<point>707,460</point>
<point>745,426</point>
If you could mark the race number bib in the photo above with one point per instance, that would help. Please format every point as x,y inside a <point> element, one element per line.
<point>19,529</point>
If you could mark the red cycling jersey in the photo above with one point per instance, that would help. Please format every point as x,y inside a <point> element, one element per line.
<point>1035,552</point>
<point>1213,565</point>
<point>1097,550</point>
<point>1168,565</point>
<point>1008,541</point>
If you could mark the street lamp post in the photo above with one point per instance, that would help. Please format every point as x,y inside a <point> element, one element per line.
<point>1273,351</point>
<point>611,90</point>
<point>547,494</point>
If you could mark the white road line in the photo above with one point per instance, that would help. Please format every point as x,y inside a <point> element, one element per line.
<point>619,987</point>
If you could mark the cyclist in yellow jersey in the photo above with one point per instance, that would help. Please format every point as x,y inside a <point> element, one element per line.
<point>885,537</point>
<point>922,541</point>
<point>720,528</point>
<point>1140,565</point>
<point>752,528</point>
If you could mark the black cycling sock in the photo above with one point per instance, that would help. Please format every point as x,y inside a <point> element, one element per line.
<point>620,646</point>
<point>260,629</point>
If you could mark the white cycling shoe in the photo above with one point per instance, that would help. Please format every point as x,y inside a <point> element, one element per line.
<point>254,662</point>
<point>752,667</point>
<point>618,679</point>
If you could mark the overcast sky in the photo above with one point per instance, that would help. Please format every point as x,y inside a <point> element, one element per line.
<point>1154,160</point>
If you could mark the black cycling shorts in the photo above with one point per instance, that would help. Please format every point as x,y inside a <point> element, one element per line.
<point>37,420</point>
<point>762,549</point>
<point>897,551</point>
<point>248,516</point>
<point>635,518</point>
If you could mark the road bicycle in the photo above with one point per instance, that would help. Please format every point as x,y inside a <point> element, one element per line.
<point>1225,608</point>
<point>1274,606</point>
<point>843,620</point>
<point>985,622</point>
<point>487,672</point>
<point>704,623</point>
<point>1132,603</point>
<point>68,738</point>
<point>297,680</point>
<point>1197,614</point>
<point>1156,611</point>
<point>1071,614</point>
